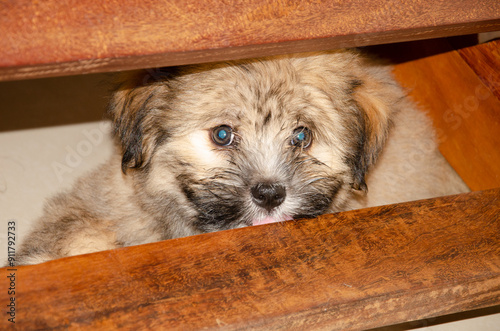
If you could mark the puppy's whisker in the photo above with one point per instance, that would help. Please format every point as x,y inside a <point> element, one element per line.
<point>314,180</point>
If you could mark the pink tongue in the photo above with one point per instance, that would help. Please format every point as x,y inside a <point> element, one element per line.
<point>270,219</point>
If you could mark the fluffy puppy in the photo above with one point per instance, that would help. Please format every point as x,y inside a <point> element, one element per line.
<point>219,146</point>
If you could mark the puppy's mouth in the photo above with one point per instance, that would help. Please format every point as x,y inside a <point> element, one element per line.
<point>271,219</point>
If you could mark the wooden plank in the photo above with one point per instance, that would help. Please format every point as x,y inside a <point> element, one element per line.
<point>349,271</point>
<point>484,59</point>
<point>61,37</point>
<point>462,99</point>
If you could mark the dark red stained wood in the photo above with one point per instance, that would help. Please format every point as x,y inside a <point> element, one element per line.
<point>349,271</point>
<point>60,37</point>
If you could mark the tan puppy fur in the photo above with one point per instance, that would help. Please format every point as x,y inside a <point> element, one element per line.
<point>219,146</point>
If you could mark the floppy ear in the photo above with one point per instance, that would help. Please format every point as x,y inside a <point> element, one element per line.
<point>136,108</point>
<point>377,100</point>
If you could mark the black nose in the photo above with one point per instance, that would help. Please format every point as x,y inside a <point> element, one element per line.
<point>268,196</point>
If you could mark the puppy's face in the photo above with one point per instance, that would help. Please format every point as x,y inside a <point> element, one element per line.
<point>252,142</point>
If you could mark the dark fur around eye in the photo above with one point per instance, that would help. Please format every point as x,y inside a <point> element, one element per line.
<point>301,137</point>
<point>222,135</point>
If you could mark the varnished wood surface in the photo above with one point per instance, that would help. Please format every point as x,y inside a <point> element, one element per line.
<point>61,37</point>
<point>349,271</point>
<point>484,59</point>
<point>460,90</point>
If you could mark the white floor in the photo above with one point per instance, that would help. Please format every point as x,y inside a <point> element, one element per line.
<point>37,163</point>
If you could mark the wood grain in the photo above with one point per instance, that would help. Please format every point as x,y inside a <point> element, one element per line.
<point>462,97</point>
<point>349,271</point>
<point>484,59</point>
<point>61,37</point>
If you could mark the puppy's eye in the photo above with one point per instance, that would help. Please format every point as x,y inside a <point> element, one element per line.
<point>301,137</point>
<point>223,135</point>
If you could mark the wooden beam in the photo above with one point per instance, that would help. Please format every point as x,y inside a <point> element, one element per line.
<point>62,37</point>
<point>349,271</point>
<point>461,91</point>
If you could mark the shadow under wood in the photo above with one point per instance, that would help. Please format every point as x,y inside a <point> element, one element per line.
<point>44,102</point>
<point>409,51</point>
<point>441,319</point>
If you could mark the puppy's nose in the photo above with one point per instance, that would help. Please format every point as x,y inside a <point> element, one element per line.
<point>268,196</point>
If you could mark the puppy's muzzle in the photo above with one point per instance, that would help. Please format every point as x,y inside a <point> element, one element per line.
<point>268,195</point>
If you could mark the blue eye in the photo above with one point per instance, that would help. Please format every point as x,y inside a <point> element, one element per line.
<point>301,137</point>
<point>222,135</point>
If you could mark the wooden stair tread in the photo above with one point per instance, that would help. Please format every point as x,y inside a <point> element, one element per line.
<point>460,91</point>
<point>348,271</point>
<point>53,37</point>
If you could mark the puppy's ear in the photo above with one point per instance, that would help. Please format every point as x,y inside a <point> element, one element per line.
<point>376,100</point>
<point>136,108</point>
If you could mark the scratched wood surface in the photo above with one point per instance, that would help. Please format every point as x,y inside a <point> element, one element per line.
<point>461,91</point>
<point>61,37</point>
<point>349,271</point>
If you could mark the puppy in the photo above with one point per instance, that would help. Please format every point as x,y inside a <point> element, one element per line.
<point>218,146</point>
